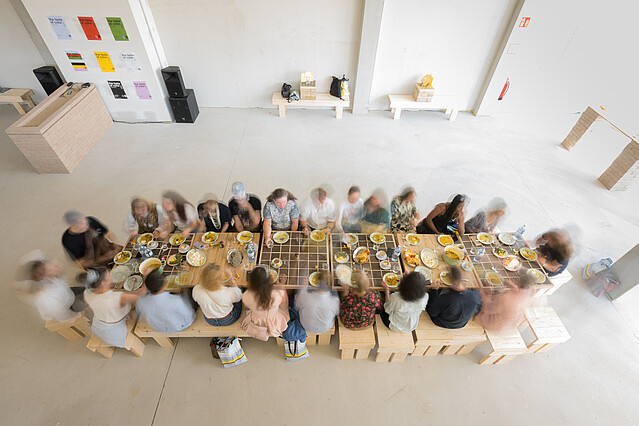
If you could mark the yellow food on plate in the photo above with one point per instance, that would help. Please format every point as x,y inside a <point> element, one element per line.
<point>122,257</point>
<point>209,237</point>
<point>176,240</point>
<point>485,238</point>
<point>445,240</point>
<point>196,258</point>
<point>361,256</point>
<point>185,278</point>
<point>391,280</point>
<point>411,257</point>
<point>494,278</point>
<point>413,239</point>
<point>273,274</point>
<point>314,279</point>
<point>499,252</point>
<point>377,238</point>
<point>318,235</point>
<point>444,277</point>
<point>528,254</point>
<point>145,239</point>
<point>245,236</point>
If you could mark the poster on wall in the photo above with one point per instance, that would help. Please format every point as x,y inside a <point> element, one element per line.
<point>117,89</point>
<point>142,89</point>
<point>117,29</point>
<point>131,62</point>
<point>90,30</point>
<point>105,61</point>
<point>76,60</point>
<point>60,27</point>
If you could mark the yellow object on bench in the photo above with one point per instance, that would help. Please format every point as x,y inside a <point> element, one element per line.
<point>355,343</point>
<point>393,346</point>
<point>72,331</point>
<point>132,342</point>
<point>548,329</point>
<point>199,328</point>
<point>431,339</point>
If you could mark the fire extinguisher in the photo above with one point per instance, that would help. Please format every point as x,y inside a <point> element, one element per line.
<point>504,90</point>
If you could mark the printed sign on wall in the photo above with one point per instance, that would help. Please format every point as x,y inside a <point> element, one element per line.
<point>117,89</point>
<point>90,30</point>
<point>60,27</point>
<point>130,61</point>
<point>117,28</point>
<point>105,61</point>
<point>142,89</point>
<point>77,62</point>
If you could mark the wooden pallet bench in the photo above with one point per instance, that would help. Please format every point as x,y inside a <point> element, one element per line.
<point>548,329</point>
<point>393,346</point>
<point>73,330</point>
<point>322,100</point>
<point>506,345</point>
<point>355,343</point>
<point>18,96</point>
<point>431,339</point>
<point>449,104</point>
<point>132,343</point>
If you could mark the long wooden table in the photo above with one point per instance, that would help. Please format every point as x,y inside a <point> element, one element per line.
<point>430,241</point>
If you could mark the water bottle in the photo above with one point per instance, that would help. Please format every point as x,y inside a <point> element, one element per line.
<point>520,231</point>
<point>250,251</point>
<point>396,253</point>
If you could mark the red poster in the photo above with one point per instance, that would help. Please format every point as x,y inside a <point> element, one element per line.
<point>90,30</point>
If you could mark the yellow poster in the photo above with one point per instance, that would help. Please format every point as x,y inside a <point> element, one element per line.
<point>105,62</point>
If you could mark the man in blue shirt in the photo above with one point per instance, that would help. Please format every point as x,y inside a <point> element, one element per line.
<point>165,312</point>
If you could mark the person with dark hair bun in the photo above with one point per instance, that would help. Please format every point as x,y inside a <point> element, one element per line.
<point>445,218</point>
<point>403,308</point>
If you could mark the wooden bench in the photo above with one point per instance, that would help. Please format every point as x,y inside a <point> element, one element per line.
<point>73,330</point>
<point>132,343</point>
<point>16,97</point>
<point>548,329</point>
<point>430,339</point>
<point>323,339</point>
<point>506,345</point>
<point>393,346</point>
<point>355,343</point>
<point>557,281</point>
<point>322,100</point>
<point>440,102</point>
<point>199,328</point>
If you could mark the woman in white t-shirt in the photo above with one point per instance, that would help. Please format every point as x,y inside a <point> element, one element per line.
<point>179,213</point>
<point>110,308</point>
<point>403,308</point>
<point>221,305</point>
<point>351,211</point>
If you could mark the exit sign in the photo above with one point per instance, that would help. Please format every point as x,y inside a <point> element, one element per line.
<point>524,22</point>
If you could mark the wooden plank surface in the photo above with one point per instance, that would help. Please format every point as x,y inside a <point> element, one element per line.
<point>15,95</point>
<point>321,99</point>
<point>408,102</point>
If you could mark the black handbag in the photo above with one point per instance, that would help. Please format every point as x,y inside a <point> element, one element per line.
<point>286,90</point>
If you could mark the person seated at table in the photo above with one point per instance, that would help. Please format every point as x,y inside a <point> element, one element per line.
<point>358,305</point>
<point>110,308</point>
<point>505,310</point>
<point>144,217</point>
<point>404,214</point>
<point>220,304</point>
<point>487,219</point>
<point>318,308</point>
<point>180,215</point>
<point>280,214</point>
<point>403,308</point>
<point>454,306</point>
<point>245,208</point>
<point>165,312</point>
<point>376,217</point>
<point>87,241</point>
<point>445,218</point>
<point>267,304</point>
<point>318,212</point>
<point>350,212</point>
<point>555,250</point>
<point>214,216</point>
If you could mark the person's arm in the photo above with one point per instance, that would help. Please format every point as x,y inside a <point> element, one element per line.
<point>294,224</point>
<point>225,226</point>
<point>131,225</point>
<point>439,209</point>
<point>433,307</point>
<point>239,226</point>
<point>304,212</point>
<point>338,219</point>
<point>344,290</point>
<point>386,291</point>
<point>254,215</point>
<point>129,297</point>
<point>460,224</point>
<point>329,227</point>
<point>111,237</point>
<point>266,228</point>
<point>549,265</point>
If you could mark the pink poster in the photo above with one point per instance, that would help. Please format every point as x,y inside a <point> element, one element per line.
<point>142,90</point>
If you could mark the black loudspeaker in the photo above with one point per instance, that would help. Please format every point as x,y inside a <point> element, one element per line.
<point>185,109</point>
<point>48,78</point>
<point>174,83</point>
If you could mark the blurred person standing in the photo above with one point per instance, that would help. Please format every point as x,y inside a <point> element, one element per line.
<point>445,218</point>
<point>487,219</point>
<point>350,212</point>
<point>246,209</point>
<point>281,213</point>
<point>144,217</point>
<point>180,215</point>
<point>404,214</point>
<point>318,212</point>
<point>87,241</point>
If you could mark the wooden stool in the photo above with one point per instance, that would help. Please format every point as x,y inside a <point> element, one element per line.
<point>71,331</point>
<point>16,97</point>
<point>557,281</point>
<point>506,345</point>
<point>548,329</point>
<point>430,339</point>
<point>393,346</point>
<point>355,343</point>
<point>132,342</point>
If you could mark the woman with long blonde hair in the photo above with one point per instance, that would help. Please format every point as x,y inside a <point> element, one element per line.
<point>220,304</point>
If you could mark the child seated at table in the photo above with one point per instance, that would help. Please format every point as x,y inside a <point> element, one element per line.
<point>358,305</point>
<point>165,312</point>
<point>317,309</point>
<point>220,304</point>
<point>403,308</point>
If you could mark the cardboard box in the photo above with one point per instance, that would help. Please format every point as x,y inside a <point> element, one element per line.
<point>423,95</point>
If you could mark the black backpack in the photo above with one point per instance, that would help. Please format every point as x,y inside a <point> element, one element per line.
<point>336,86</point>
<point>286,90</point>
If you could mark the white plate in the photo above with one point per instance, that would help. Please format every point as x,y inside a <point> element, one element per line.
<point>151,261</point>
<point>196,257</point>
<point>121,273</point>
<point>445,240</point>
<point>343,274</point>
<point>512,263</point>
<point>427,273</point>
<point>381,255</point>
<point>184,248</point>
<point>276,263</point>
<point>503,256</point>
<point>443,276</point>
<point>145,239</point>
<point>389,275</point>
<point>429,258</point>
<point>133,283</point>
<point>314,279</point>
<point>538,276</point>
<point>385,264</point>
<point>342,260</point>
<point>356,252</point>
<point>466,265</point>
<point>415,237</point>
<point>153,245</point>
<point>318,235</point>
<point>209,237</point>
<point>120,262</point>
<point>489,238</point>
<point>280,237</point>
<point>533,253</point>
<point>507,239</point>
<point>245,236</point>
<point>349,239</point>
<point>381,239</point>
<point>494,275</point>
<point>226,276</point>
<point>187,280</point>
<point>176,240</point>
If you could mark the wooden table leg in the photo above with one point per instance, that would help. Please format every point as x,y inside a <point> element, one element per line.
<point>453,114</point>
<point>362,353</point>
<point>324,339</point>
<point>338,112</point>
<point>397,113</point>
<point>19,108</point>
<point>398,357</point>
<point>282,110</point>
<point>383,356</point>
<point>29,101</point>
<point>348,354</point>
<point>164,342</point>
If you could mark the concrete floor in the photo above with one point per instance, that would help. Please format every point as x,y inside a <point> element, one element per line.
<point>588,380</point>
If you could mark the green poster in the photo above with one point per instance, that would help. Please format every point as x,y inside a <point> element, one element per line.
<point>117,28</point>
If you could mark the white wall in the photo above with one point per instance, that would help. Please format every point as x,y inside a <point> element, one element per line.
<point>452,40</point>
<point>236,53</point>
<point>19,54</point>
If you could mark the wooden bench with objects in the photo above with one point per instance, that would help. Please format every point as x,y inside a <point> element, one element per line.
<point>506,345</point>
<point>321,100</point>
<point>355,343</point>
<point>72,330</point>
<point>548,329</point>
<point>440,102</point>
<point>132,343</point>
<point>18,96</point>
<point>430,339</point>
<point>393,346</point>
<point>323,339</point>
<point>199,328</point>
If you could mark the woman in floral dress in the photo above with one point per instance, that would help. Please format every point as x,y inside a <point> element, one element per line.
<point>358,307</point>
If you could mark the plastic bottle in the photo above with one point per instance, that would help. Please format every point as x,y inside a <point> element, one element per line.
<point>520,231</point>
<point>250,251</point>
<point>396,254</point>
